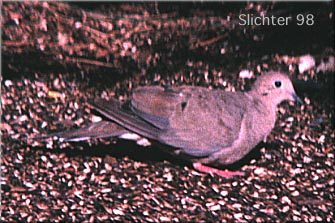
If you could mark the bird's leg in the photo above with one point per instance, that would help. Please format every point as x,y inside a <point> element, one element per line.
<point>223,173</point>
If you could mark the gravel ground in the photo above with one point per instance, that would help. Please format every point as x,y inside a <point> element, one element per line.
<point>288,178</point>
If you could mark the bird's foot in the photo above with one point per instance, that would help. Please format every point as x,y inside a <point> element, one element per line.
<point>223,173</point>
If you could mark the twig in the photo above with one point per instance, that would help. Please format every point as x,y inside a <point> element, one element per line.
<point>16,43</point>
<point>211,41</point>
<point>87,61</point>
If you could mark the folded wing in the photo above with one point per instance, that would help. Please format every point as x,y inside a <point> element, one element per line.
<point>196,120</point>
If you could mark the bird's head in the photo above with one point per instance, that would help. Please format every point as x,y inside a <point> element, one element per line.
<point>275,87</point>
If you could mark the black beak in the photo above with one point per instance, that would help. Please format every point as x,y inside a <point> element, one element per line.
<point>297,99</point>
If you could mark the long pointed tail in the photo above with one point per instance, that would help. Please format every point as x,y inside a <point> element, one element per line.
<point>100,129</point>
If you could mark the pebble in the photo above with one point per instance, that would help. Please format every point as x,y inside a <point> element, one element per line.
<point>286,209</point>
<point>306,62</point>
<point>246,74</point>
<point>260,171</point>
<point>295,193</point>
<point>8,83</point>
<point>285,199</point>
<point>224,193</point>
<point>238,216</point>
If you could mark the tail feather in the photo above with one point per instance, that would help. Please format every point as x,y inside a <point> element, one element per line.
<point>112,110</point>
<point>100,129</point>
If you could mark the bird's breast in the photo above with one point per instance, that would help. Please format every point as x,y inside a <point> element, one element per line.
<point>260,124</point>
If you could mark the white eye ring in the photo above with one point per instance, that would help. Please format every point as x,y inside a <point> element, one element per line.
<point>277,84</point>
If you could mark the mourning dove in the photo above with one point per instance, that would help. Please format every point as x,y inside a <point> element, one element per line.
<point>210,127</point>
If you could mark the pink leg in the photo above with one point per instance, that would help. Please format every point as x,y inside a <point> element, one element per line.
<point>223,173</point>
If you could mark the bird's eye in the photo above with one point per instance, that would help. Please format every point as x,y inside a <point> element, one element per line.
<point>278,84</point>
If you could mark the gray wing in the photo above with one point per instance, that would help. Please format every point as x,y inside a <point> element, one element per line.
<point>196,120</point>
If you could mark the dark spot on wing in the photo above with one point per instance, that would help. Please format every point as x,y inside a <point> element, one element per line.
<point>183,106</point>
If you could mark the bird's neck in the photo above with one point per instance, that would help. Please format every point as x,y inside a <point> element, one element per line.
<point>265,109</point>
<point>263,103</point>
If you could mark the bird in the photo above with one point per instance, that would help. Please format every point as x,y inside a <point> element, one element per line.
<point>210,127</point>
